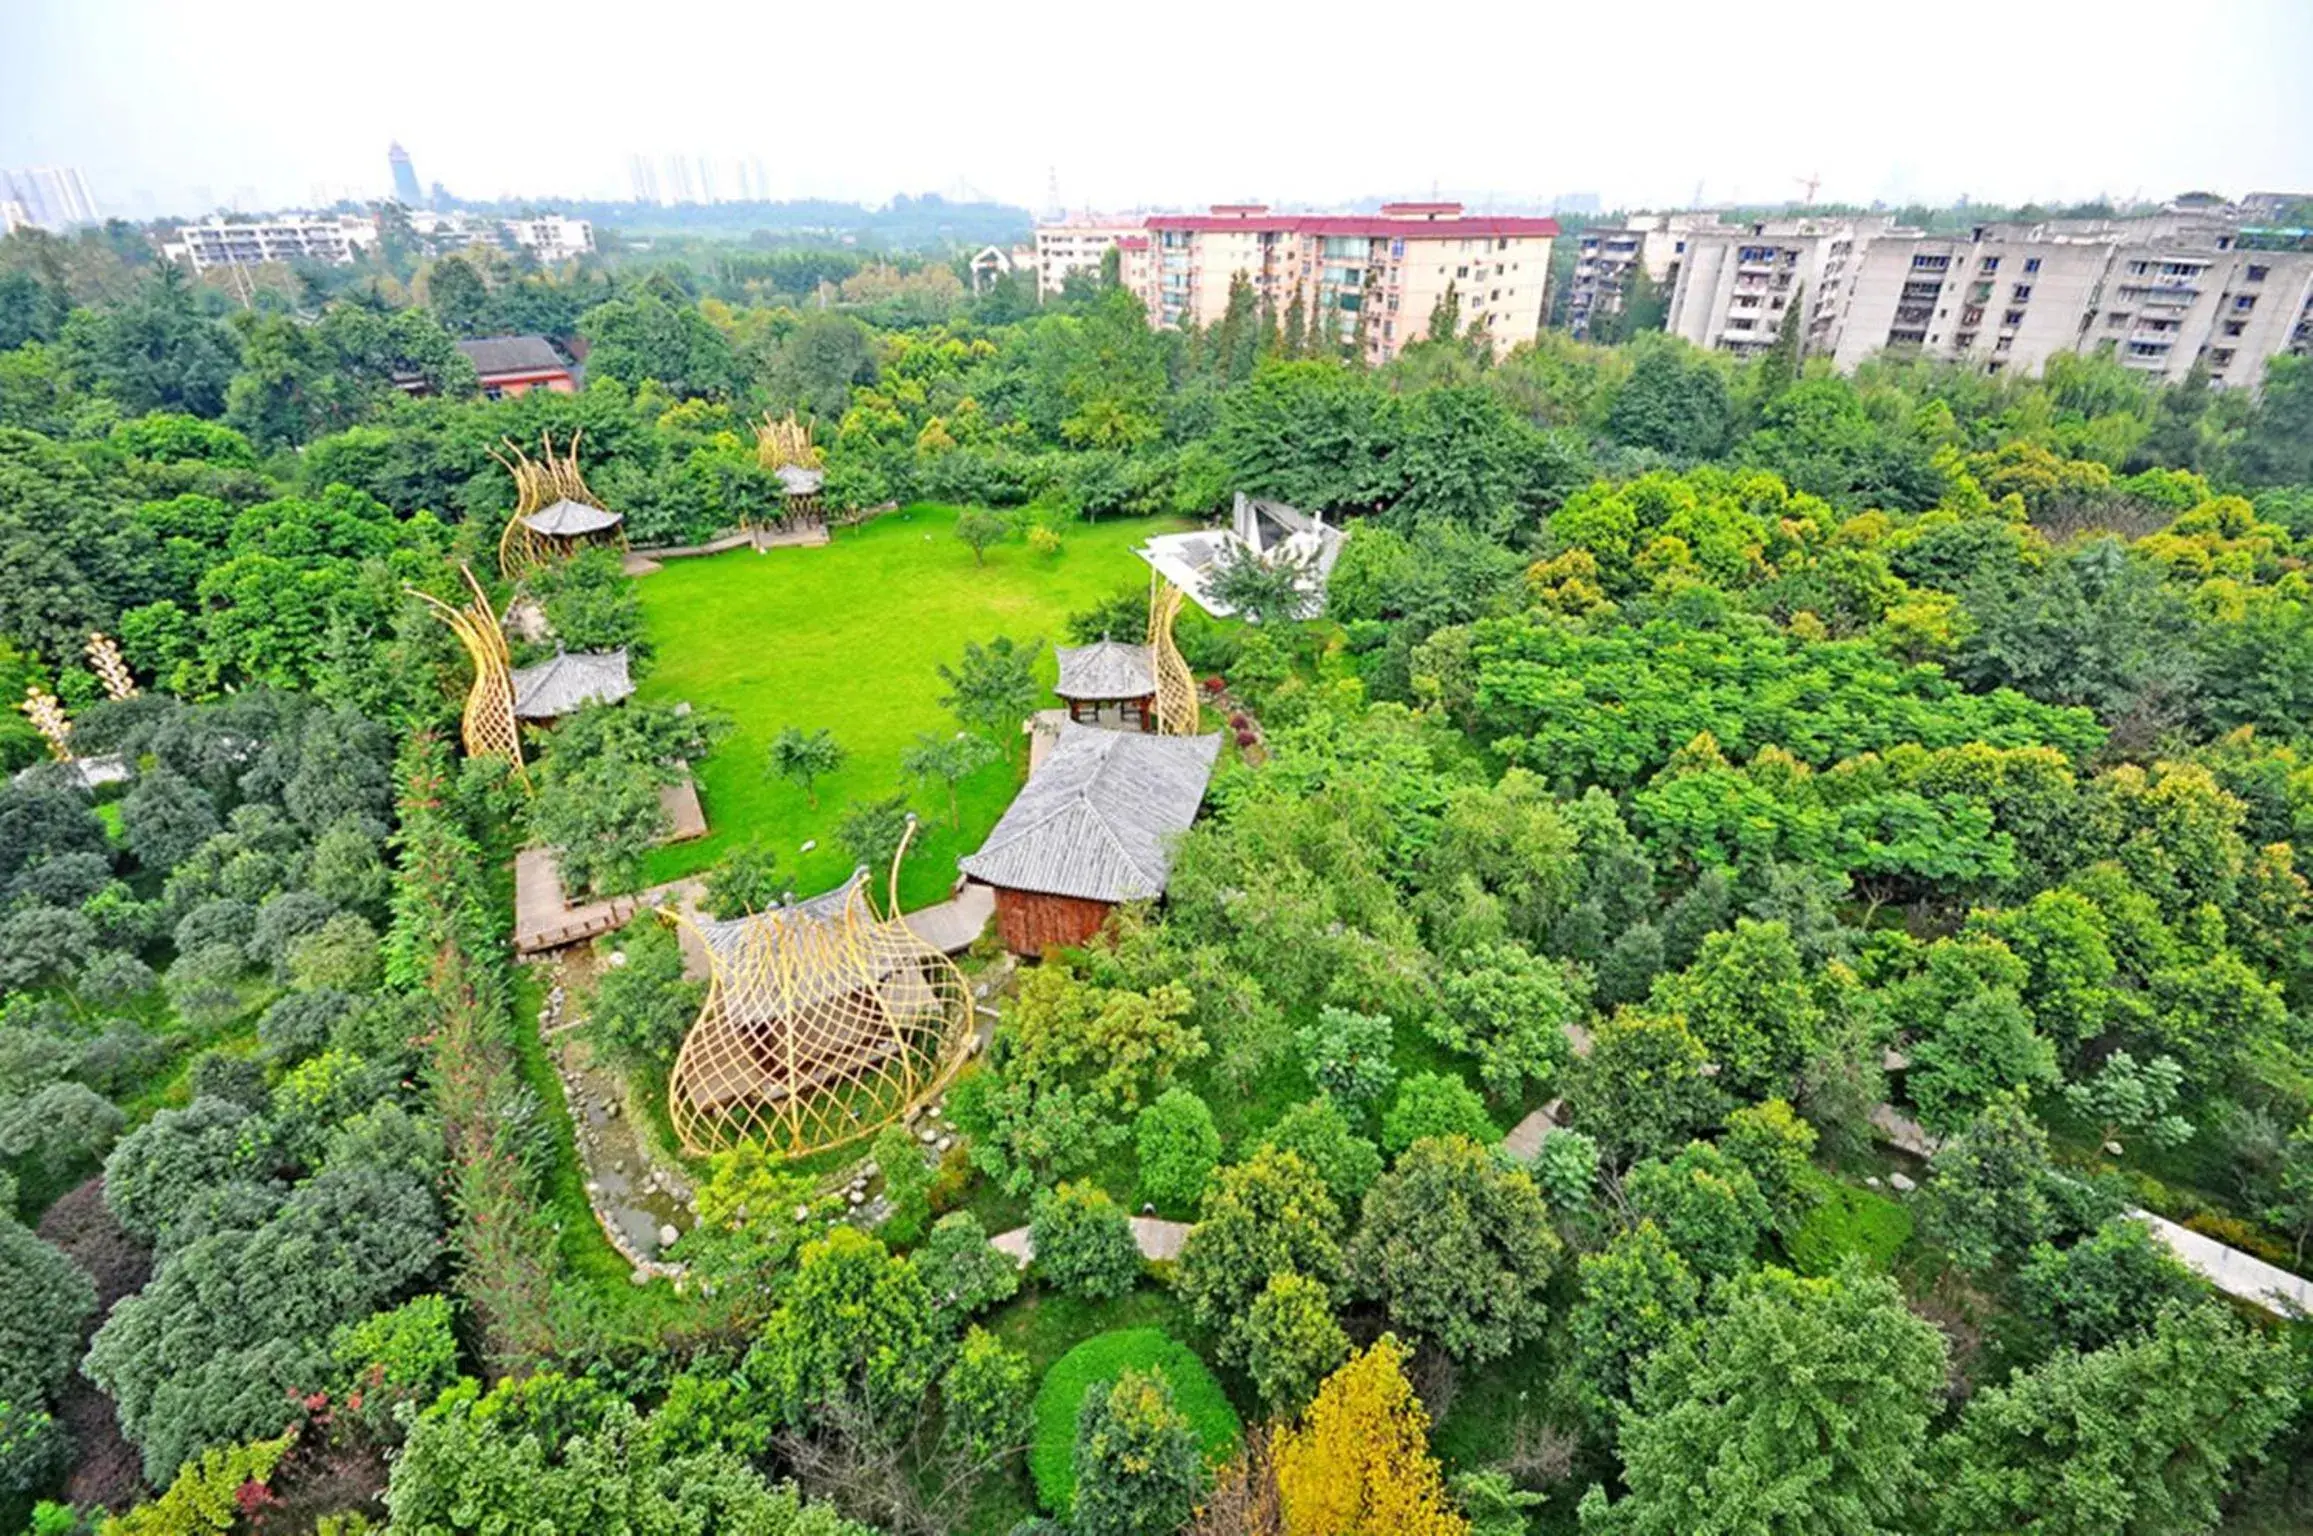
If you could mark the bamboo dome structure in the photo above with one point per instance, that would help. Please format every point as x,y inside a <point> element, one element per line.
<point>488,725</point>
<point>824,1022</point>
<point>555,515</point>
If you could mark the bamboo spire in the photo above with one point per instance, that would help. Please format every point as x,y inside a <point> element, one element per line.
<point>786,442</point>
<point>46,712</point>
<point>111,669</point>
<point>487,726</point>
<point>538,484</point>
<point>1176,686</point>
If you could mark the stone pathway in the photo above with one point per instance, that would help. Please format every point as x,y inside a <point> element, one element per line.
<point>2235,1273</point>
<point>1158,1240</point>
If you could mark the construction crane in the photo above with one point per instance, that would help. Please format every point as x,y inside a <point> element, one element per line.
<point>1810,183</point>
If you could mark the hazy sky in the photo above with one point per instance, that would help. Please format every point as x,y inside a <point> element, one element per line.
<point>267,104</point>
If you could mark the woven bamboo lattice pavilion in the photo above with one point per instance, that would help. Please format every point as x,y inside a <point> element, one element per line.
<point>785,448</point>
<point>824,1022</point>
<point>555,515</point>
<point>488,725</point>
<point>1176,686</point>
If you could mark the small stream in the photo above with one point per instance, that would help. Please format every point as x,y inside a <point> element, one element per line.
<point>641,1204</point>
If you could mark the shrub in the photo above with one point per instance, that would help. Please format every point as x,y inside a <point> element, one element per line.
<point>1102,1359</point>
<point>1178,1147</point>
<point>1084,1242</point>
<point>1434,1104</point>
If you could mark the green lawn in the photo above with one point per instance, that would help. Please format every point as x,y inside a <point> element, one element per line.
<point>847,637</point>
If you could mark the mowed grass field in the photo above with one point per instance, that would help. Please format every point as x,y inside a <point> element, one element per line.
<point>849,637</point>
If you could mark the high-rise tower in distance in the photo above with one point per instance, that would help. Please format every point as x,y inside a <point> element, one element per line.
<point>405,177</point>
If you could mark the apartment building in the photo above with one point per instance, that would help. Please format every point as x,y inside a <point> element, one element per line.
<point>1606,257</point>
<point>551,237</point>
<point>1077,245</point>
<point>2160,294</point>
<point>1736,283</point>
<point>1373,280</point>
<point>291,237</point>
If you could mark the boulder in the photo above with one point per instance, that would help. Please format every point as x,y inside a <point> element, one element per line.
<point>1902,1183</point>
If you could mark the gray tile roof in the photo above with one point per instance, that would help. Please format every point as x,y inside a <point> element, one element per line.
<point>555,687</point>
<point>512,354</point>
<point>725,936</point>
<point>569,519</point>
<point>1109,669</point>
<point>1097,820</point>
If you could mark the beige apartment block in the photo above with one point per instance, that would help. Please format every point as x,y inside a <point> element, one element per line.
<point>1077,245</point>
<point>1373,281</point>
<point>1606,256</point>
<point>1736,283</point>
<point>2160,294</point>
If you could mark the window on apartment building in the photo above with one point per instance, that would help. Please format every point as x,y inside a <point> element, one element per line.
<point>2031,264</point>
<point>2012,317</point>
<point>2003,343</point>
<point>2256,274</point>
<point>1678,248</point>
<point>2023,291</point>
<point>1988,264</point>
<point>2235,327</point>
<point>1741,323</point>
<point>2245,302</point>
<point>1994,367</point>
<point>1963,339</point>
<point>2221,356</point>
<point>1495,297</point>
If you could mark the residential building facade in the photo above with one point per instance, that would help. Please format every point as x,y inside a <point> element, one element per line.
<point>1373,281</point>
<point>291,237</point>
<point>1606,258</point>
<point>1736,283</point>
<point>1077,244</point>
<point>551,237</point>
<point>2160,294</point>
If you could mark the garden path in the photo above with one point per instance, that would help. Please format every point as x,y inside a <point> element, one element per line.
<point>1157,1239</point>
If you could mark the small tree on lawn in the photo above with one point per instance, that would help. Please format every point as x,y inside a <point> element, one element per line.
<point>979,528</point>
<point>947,760</point>
<point>871,831</point>
<point>748,880</point>
<point>806,759</point>
<point>993,688</point>
<point>1138,1469</point>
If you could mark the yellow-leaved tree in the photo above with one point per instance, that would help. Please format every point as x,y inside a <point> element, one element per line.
<point>1359,1462</point>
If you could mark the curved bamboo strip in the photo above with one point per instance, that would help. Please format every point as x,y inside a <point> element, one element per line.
<point>1176,686</point>
<point>487,726</point>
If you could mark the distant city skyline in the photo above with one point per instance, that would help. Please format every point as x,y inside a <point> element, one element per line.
<point>1539,104</point>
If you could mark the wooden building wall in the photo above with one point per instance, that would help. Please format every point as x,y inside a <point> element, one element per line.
<point>1032,922</point>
